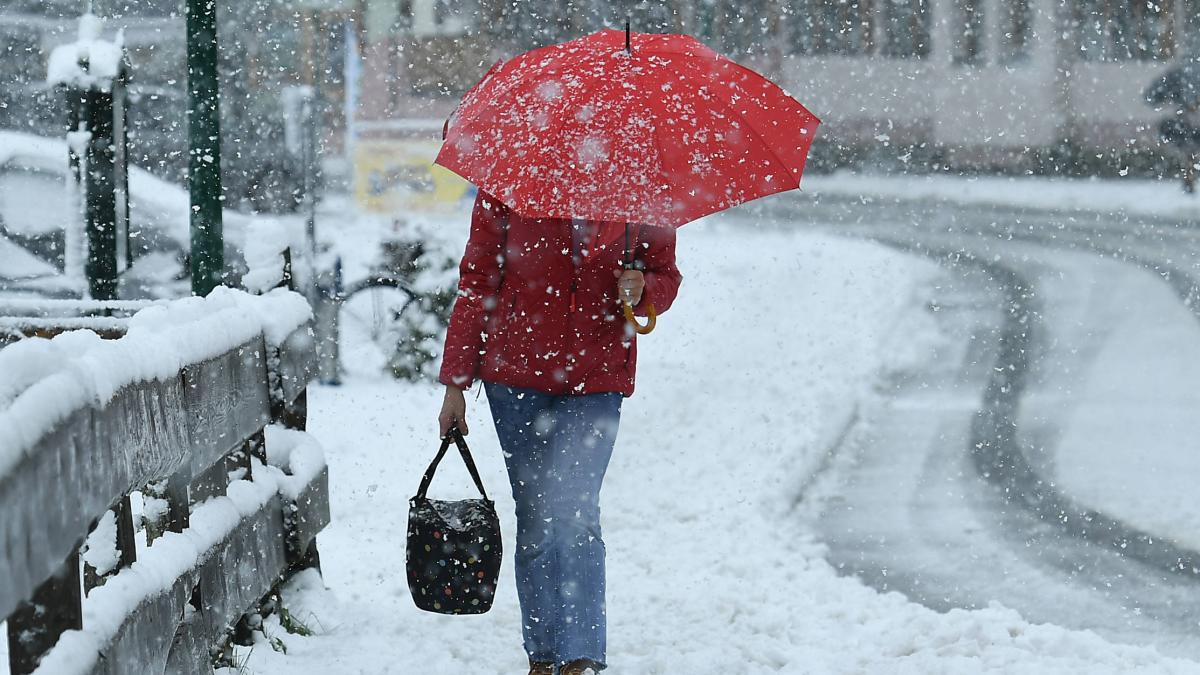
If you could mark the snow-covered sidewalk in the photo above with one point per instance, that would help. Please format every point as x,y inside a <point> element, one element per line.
<point>773,339</point>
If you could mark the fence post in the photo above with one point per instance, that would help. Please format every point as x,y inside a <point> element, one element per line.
<point>101,208</point>
<point>325,311</point>
<point>56,607</point>
<point>93,103</point>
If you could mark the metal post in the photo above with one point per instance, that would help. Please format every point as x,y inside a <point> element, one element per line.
<point>309,169</point>
<point>101,209</point>
<point>75,248</point>
<point>204,155</point>
<point>120,95</point>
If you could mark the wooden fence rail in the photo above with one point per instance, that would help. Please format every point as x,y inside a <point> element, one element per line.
<point>176,442</point>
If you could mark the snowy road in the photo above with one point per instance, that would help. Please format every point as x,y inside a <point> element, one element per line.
<point>904,506</point>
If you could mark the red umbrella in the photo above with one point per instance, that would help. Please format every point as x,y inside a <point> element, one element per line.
<point>662,133</point>
<point>649,128</point>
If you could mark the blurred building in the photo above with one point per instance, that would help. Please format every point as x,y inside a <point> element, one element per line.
<point>1025,84</point>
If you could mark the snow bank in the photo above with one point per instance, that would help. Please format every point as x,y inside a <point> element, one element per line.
<point>1130,444</point>
<point>155,203</point>
<point>18,263</point>
<point>106,608</point>
<point>43,151</point>
<point>43,381</point>
<point>1124,195</point>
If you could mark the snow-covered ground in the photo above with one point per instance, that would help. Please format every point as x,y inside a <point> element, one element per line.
<point>1137,196</point>
<point>1130,439</point>
<point>775,337</point>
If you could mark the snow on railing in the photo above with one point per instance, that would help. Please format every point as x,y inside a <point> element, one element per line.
<point>268,253</point>
<point>166,413</point>
<point>69,306</point>
<point>47,317</point>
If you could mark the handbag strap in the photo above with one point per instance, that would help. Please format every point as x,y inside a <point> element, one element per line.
<point>456,437</point>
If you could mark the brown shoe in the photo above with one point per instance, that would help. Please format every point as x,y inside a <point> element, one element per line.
<point>540,668</point>
<point>580,667</point>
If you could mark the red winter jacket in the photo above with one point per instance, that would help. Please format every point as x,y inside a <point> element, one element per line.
<point>527,316</point>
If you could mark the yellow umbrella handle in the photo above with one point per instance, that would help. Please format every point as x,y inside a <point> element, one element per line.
<point>651,317</point>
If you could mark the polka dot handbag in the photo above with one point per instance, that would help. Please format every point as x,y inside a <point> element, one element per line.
<point>453,555</point>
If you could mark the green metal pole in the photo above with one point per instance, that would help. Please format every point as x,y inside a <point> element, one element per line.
<point>101,209</point>
<point>204,156</point>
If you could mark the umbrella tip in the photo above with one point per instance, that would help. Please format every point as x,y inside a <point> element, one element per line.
<point>627,46</point>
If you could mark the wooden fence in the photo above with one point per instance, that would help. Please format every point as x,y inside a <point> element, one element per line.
<point>174,443</point>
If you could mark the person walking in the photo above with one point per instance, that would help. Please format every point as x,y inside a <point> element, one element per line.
<point>538,320</point>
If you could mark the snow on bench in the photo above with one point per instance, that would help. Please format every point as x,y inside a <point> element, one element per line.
<point>169,409</point>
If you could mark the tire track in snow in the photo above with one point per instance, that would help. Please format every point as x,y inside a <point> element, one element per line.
<point>995,448</point>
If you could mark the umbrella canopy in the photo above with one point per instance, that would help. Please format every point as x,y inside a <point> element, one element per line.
<point>662,132</point>
<point>1178,86</point>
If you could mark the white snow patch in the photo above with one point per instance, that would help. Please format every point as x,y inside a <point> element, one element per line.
<point>88,63</point>
<point>18,263</point>
<point>100,549</point>
<point>266,240</point>
<point>1130,443</point>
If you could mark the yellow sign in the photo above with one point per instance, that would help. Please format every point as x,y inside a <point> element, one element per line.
<point>395,176</point>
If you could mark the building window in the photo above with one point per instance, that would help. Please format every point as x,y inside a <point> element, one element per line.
<point>404,15</point>
<point>733,27</point>
<point>1125,30</point>
<point>827,27</point>
<point>437,17</point>
<point>893,28</point>
<point>906,28</point>
<point>968,44</point>
<point>1015,40</point>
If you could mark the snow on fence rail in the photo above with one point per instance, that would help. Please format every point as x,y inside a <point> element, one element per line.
<point>177,410</point>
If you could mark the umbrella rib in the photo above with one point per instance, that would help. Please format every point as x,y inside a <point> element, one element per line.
<point>742,118</point>
<point>595,89</point>
<point>769,148</point>
<point>654,133</point>
<point>687,64</point>
<point>554,56</point>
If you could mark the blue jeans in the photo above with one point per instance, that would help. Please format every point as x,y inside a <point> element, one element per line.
<point>557,450</point>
